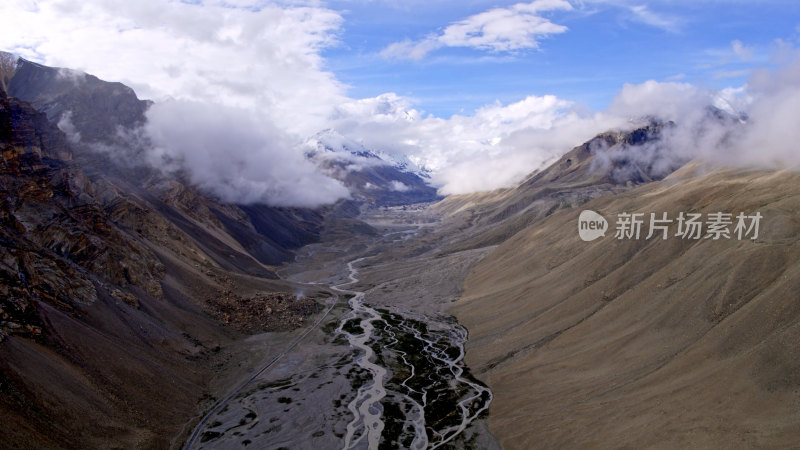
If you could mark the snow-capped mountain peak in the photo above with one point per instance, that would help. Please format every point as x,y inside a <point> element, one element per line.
<point>330,144</point>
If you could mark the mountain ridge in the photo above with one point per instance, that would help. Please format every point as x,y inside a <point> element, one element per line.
<point>116,321</point>
<point>644,342</point>
<point>130,293</point>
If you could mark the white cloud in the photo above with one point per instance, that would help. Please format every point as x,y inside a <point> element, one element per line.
<point>505,29</point>
<point>235,155</point>
<point>639,12</point>
<point>495,147</point>
<point>643,14</point>
<point>744,52</point>
<point>257,57</point>
<point>414,50</point>
<point>388,107</point>
<point>517,27</point>
<point>668,101</point>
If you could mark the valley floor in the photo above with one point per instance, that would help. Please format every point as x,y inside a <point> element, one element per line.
<point>318,389</point>
<point>640,343</point>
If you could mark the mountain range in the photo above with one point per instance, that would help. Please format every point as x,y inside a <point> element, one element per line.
<point>113,271</point>
<point>129,294</point>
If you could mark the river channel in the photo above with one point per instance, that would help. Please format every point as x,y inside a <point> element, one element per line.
<point>363,377</point>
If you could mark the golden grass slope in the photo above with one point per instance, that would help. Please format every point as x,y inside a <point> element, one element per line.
<point>645,343</point>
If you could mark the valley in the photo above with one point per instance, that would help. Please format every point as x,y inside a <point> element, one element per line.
<point>375,372</point>
<point>141,310</point>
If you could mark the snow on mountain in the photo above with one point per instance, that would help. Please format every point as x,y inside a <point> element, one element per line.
<point>372,176</point>
<point>330,144</point>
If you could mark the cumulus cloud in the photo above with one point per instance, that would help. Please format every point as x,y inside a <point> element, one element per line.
<point>669,101</point>
<point>492,148</point>
<point>749,126</point>
<point>256,63</point>
<point>517,27</point>
<point>241,85</point>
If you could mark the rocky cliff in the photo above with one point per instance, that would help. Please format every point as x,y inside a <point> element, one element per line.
<point>123,289</point>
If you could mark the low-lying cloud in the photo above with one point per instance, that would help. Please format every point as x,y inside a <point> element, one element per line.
<point>495,147</point>
<point>231,153</point>
<point>753,126</point>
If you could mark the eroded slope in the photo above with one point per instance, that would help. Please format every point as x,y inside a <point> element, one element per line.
<point>673,342</point>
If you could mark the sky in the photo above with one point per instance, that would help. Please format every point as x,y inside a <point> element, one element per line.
<point>481,93</point>
<point>589,52</point>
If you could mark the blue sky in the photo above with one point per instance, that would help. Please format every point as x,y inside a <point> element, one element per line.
<point>480,93</point>
<point>606,45</point>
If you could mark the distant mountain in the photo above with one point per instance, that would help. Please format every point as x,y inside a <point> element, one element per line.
<point>374,177</point>
<point>610,163</point>
<point>330,140</point>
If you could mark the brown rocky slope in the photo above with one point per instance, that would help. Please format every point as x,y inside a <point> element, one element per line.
<point>645,343</point>
<point>108,333</point>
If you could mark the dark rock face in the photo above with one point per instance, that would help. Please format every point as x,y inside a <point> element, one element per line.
<point>95,108</point>
<point>108,272</point>
<point>107,114</point>
<point>54,245</point>
<point>81,303</point>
